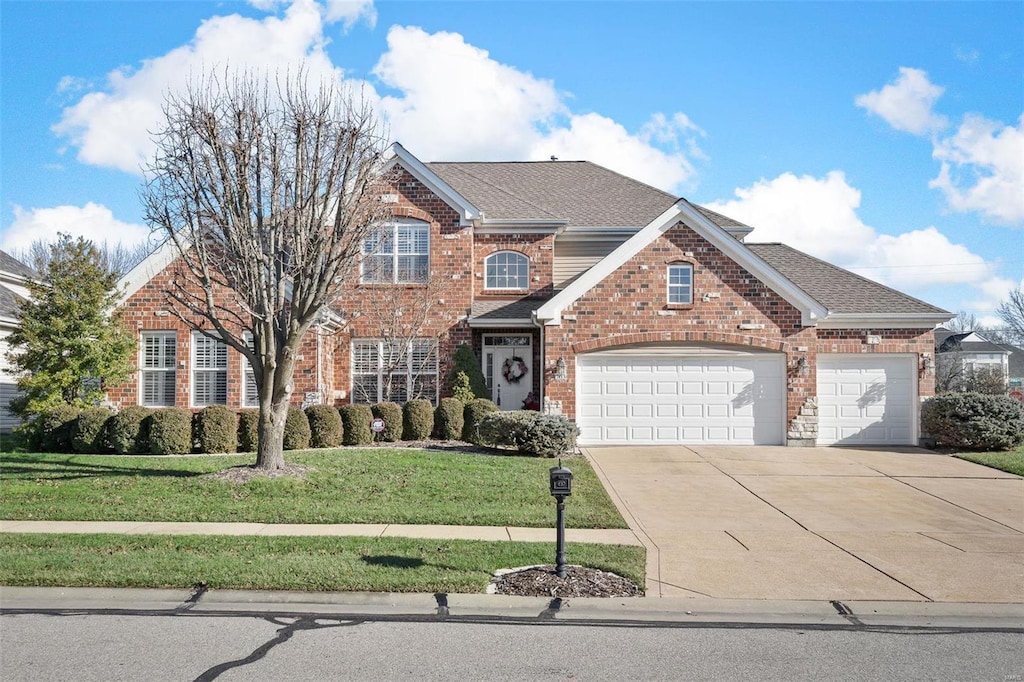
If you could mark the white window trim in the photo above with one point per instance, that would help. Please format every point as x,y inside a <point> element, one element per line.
<point>669,286</point>
<point>487,265</point>
<point>393,226</point>
<point>380,369</point>
<point>143,370</point>
<point>246,371</point>
<point>194,369</point>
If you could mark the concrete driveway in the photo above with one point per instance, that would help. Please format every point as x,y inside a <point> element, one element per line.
<point>820,523</point>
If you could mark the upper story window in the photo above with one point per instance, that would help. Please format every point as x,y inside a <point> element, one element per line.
<point>506,270</point>
<point>157,368</point>
<point>397,253</point>
<point>209,371</point>
<point>680,283</point>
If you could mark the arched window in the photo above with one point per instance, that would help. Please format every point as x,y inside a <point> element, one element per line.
<point>506,270</point>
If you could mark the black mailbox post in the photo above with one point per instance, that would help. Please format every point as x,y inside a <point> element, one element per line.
<point>561,487</point>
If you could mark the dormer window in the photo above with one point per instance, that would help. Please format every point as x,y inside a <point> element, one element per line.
<point>397,253</point>
<point>680,284</point>
<point>506,270</point>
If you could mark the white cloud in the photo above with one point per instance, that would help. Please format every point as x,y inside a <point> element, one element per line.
<point>819,216</point>
<point>112,128</point>
<point>455,102</point>
<point>92,221</point>
<point>983,169</point>
<point>350,12</point>
<point>906,104</point>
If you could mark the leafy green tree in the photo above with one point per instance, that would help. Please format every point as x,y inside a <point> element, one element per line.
<point>69,345</point>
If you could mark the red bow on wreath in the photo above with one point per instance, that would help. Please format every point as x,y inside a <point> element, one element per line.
<point>513,369</point>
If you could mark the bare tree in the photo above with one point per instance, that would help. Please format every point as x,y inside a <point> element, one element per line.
<point>115,258</point>
<point>267,188</point>
<point>1012,313</point>
<point>963,322</point>
<point>408,328</point>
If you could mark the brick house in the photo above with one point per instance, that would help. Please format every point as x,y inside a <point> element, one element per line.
<point>643,317</point>
<point>14,279</point>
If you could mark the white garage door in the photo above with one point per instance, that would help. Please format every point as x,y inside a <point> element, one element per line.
<point>867,400</point>
<point>667,397</point>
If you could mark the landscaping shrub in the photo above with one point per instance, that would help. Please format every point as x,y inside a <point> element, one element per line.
<point>464,360</point>
<point>417,419</point>
<point>530,432</point>
<point>448,419</point>
<point>324,426</point>
<point>54,428</point>
<point>391,413</point>
<point>170,431</point>
<point>128,431</point>
<point>296,429</point>
<point>473,414</point>
<point>355,421</point>
<point>89,432</point>
<point>973,421</point>
<point>460,388</point>
<point>216,429</point>
<point>248,430</point>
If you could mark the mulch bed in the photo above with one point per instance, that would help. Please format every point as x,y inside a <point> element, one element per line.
<point>579,581</point>
<point>243,474</point>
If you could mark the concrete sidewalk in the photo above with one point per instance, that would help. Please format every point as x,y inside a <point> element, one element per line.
<point>375,530</point>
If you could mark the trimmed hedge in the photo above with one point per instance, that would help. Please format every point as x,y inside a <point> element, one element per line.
<point>530,432</point>
<point>296,429</point>
<point>54,428</point>
<point>355,420</point>
<point>248,430</point>
<point>459,387</point>
<point>973,421</point>
<point>391,413</point>
<point>128,430</point>
<point>89,432</point>
<point>170,431</point>
<point>472,415</point>
<point>448,419</point>
<point>324,426</point>
<point>417,420</point>
<point>217,429</point>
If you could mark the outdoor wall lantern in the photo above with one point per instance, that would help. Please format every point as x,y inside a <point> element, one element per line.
<point>561,371</point>
<point>800,366</point>
<point>561,488</point>
<point>926,362</point>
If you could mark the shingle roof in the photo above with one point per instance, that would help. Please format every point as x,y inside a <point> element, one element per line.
<point>504,309</point>
<point>10,303</point>
<point>841,291</point>
<point>584,193</point>
<point>9,263</point>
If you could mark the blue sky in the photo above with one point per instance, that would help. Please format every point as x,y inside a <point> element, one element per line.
<point>887,138</point>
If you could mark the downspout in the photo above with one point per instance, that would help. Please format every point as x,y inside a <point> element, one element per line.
<point>543,365</point>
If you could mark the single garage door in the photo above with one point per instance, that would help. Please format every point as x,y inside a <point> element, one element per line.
<point>867,399</point>
<point>681,396</point>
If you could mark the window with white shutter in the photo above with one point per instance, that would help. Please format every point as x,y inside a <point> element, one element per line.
<point>157,359</point>
<point>394,371</point>
<point>209,371</point>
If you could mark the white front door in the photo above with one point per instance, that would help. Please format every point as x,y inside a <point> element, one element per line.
<point>508,368</point>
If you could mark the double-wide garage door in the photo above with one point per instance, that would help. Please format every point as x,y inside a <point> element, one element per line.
<point>675,396</point>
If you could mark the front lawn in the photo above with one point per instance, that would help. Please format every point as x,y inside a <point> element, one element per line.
<point>1011,461</point>
<point>286,563</point>
<point>372,485</point>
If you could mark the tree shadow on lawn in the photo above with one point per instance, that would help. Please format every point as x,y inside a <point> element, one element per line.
<point>68,471</point>
<point>394,561</point>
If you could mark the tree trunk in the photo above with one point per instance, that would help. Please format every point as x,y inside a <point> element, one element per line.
<point>270,450</point>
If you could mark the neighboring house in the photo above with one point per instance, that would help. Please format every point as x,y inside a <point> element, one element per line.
<point>643,317</point>
<point>14,278</point>
<point>972,351</point>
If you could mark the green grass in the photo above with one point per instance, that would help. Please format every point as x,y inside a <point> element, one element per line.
<point>386,485</point>
<point>1011,461</point>
<point>286,563</point>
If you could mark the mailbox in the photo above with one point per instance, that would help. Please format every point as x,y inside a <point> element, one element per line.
<point>561,481</point>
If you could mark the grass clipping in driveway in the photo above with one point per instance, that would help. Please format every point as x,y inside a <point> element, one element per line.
<point>285,563</point>
<point>373,485</point>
